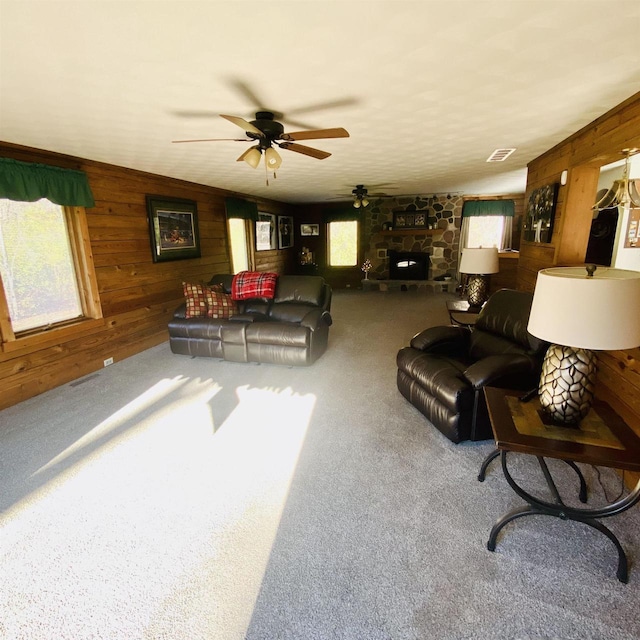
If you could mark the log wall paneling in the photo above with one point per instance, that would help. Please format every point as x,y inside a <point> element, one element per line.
<point>582,155</point>
<point>137,296</point>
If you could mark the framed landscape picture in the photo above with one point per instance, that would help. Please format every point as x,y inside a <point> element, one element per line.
<point>173,228</point>
<point>285,232</point>
<point>266,236</point>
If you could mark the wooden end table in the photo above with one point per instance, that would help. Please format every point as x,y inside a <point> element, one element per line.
<point>461,313</point>
<point>601,439</point>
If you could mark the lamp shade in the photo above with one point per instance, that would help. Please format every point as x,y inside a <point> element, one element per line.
<point>252,157</point>
<point>272,158</point>
<point>599,312</point>
<point>479,261</point>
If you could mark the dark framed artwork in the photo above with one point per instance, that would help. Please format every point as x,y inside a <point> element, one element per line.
<point>285,232</point>
<point>410,220</point>
<point>266,232</point>
<point>309,229</point>
<point>541,209</point>
<point>173,228</point>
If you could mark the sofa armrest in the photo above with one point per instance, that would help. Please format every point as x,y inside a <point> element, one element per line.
<point>499,369</point>
<point>181,312</point>
<point>315,318</point>
<point>450,340</point>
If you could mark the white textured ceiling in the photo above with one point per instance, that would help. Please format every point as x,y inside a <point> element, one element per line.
<point>426,89</point>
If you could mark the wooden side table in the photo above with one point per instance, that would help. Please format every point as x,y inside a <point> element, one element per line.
<point>462,313</point>
<point>602,439</point>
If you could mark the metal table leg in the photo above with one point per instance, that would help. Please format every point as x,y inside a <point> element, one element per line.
<point>558,509</point>
<point>582,495</point>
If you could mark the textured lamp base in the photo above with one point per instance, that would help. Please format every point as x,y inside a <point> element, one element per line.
<point>567,383</point>
<point>477,290</point>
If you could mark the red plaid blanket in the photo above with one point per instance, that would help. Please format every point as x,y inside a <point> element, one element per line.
<point>253,284</point>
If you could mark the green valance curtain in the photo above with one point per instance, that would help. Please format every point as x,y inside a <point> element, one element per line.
<point>238,208</point>
<point>28,182</point>
<point>473,208</point>
<point>335,215</point>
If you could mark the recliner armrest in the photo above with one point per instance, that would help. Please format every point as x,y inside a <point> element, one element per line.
<point>450,340</point>
<point>499,370</point>
<point>313,319</point>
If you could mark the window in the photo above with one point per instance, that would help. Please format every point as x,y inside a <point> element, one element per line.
<point>239,240</point>
<point>47,276</point>
<point>485,231</point>
<point>343,243</point>
<point>487,223</point>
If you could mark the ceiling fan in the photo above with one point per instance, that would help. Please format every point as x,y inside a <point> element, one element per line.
<point>267,132</point>
<point>361,195</point>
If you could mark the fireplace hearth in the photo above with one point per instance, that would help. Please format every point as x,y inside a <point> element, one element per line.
<point>408,265</point>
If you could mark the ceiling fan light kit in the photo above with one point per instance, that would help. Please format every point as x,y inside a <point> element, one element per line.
<point>267,131</point>
<point>252,157</point>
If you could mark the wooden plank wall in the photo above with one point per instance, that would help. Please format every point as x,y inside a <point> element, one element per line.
<point>137,295</point>
<point>582,155</point>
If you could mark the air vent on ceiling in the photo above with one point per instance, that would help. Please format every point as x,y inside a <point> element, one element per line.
<point>500,155</point>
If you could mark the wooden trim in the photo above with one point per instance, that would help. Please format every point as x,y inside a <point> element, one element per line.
<point>6,330</point>
<point>83,260</point>
<point>410,232</point>
<point>53,336</point>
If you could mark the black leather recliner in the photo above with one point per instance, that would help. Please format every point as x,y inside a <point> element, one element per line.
<point>444,370</point>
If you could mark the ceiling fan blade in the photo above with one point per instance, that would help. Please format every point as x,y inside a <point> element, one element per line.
<point>250,94</point>
<point>316,134</point>
<point>307,151</point>
<point>194,113</point>
<point>216,140</point>
<point>321,106</point>
<point>243,124</point>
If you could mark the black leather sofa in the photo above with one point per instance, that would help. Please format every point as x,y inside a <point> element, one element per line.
<point>290,329</point>
<point>443,371</point>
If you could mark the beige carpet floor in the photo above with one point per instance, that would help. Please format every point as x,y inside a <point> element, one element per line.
<point>173,498</point>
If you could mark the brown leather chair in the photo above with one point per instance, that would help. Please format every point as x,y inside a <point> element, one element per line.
<point>444,370</point>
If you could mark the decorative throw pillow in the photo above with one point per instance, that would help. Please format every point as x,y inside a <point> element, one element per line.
<point>196,300</point>
<point>219,303</point>
<point>254,284</point>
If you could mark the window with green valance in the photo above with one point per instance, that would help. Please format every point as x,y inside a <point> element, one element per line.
<point>29,182</point>
<point>239,208</point>
<point>472,208</point>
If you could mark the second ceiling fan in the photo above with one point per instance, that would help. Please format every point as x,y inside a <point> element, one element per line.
<point>267,132</point>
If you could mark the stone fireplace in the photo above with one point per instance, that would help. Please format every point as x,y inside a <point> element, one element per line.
<point>408,265</point>
<point>439,240</point>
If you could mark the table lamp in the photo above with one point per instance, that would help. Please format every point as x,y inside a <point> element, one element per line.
<point>478,263</point>
<point>579,310</point>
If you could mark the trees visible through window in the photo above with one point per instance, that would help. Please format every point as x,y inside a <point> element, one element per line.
<point>485,231</point>
<point>343,243</point>
<point>238,238</point>
<point>38,265</point>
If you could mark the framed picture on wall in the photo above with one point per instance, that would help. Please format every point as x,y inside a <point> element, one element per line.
<point>409,220</point>
<point>285,232</point>
<point>309,229</point>
<point>266,235</point>
<point>173,228</point>
<point>541,209</point>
